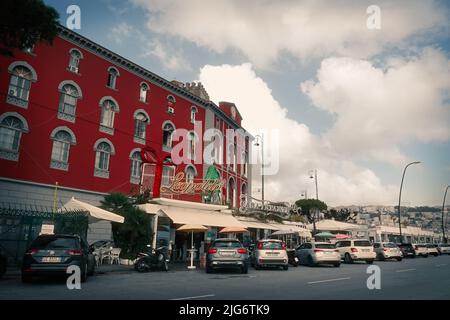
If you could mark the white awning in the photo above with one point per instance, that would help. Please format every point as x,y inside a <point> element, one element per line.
<point>257,225</point>
<point>333,225</point>
<point>180,215</point>
<point>292,228</point>
<point>95,213</point>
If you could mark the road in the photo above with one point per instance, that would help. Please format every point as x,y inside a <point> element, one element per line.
<point>420,278</point>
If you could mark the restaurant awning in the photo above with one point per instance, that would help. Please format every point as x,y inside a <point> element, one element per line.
<point>180,215</point>
<point>257,225</point>
<point>95,213</point>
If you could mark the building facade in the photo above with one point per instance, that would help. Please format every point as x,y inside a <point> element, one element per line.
<point>74,117</point>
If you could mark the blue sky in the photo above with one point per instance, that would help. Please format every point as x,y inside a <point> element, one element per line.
<point>319,63</point>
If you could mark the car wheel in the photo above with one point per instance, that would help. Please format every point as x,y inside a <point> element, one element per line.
<point>285,268</point>
<point>257,266</point>
<point>244,270</point>
<point>369,261</point>
<point>381,257</point>
<point>26,278</point>
<point>310,261</point>
<point>347,258</point>
<point>337,265</point>
<point>425,256</point>
<point>399,259</point>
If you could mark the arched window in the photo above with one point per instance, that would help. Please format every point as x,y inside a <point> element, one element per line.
<point>74,60</point>
<point>231,193</point>
<point>19,85</point>
<point>60,151</point>
<point>11,129</point>
<point>103,151</point>
<point>141,122</point>
<point>68,102</point>
<point>113,74</point>
<point>192,140</point>
<point>136,162</point>
<point>193,114</point>
<point>171,99</point>
<point>109,108</point>
<point>168,172</point>
<point>168,130</point>
<point>143,92</point>
<point>190,174</point>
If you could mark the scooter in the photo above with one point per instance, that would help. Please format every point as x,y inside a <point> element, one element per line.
<point>154,259</point>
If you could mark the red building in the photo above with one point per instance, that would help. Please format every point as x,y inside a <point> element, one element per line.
<point>77,115</point>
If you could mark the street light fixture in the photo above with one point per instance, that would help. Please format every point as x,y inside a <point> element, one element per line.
<point>313,175</point>
<point>257,144</point>
<point>400,197</point>
<point>443,207</point>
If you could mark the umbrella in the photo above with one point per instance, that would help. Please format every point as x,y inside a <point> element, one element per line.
<point>284,232</point>
<point>192,228</point>
<point>233,230</point>
<point>324,235</point>
<point>342,236</point>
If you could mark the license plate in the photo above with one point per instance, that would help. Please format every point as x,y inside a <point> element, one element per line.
<point>365,250</point>
<point>328,252</point>
<point>51,259</point>
<point>272,253</point>
<point>227,253</point>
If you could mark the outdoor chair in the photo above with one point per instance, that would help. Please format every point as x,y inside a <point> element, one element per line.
<point>115,252</point>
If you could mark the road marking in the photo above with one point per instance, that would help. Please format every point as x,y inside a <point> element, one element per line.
<point>195,297</point>
<point>441,265</point>
<point>405,270</point>
<point>329,280</point>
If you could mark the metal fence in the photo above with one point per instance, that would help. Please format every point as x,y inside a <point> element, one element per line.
<point>20,224</point>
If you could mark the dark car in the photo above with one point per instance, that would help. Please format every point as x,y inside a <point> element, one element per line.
<point>227,253</point>
<point>407,250</point>
<point>53,254</point>
<point>2,263</point>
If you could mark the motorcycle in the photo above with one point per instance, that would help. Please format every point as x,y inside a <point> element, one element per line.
<point>154,259</point>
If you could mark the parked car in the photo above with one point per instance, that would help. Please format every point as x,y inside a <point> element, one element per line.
<point>421,249</point>
<point>227,253</point>
<point>387,250</point>
<point>51,254</point>
<point>314,253</point>
<point>3,262</point>
<point>432,250</point>
<point>356,250</point>
<point>443,248</point>
<point>270,253</point>
<point>407,250</point>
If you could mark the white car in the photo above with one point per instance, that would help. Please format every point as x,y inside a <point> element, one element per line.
<point>443,248</point>
<point>314,253</point>
<point>387,250</point>
<point>420,249</point>
<point>356,250</point>
<point>432,250</point>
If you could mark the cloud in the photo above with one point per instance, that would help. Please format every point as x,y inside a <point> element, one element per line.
<point>340,181</point>
<point>170,58</point>
<point>262,30</point>
<point>120,32</point>
<point>379,109</point>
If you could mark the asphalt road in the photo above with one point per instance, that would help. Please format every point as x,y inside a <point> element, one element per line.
<point>420,278</point>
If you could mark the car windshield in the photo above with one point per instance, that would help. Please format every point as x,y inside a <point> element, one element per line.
<point>227,244</point>
<point>271,245</point>
<point>325,246</point>
<point>390,245</point>
<point>362,243</point>
<point>54,243</point>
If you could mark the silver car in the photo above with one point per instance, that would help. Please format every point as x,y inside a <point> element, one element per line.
<point>443,248</point>
<point>270,253</point>
<point>227,253</point>
<point>314,253</point>
<point>387,250</point>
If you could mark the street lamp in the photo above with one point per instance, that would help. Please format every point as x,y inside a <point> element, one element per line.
<point>313,175</point>
<point>443,206</point>
<point>305,194</point>
<point>257,143</point>
<point>400,197</point>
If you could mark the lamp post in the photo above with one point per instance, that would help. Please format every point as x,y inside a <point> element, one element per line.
<point>443,207</point>
<point>257,143</point>
<point>313,175</point>
<point>400,197</point>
